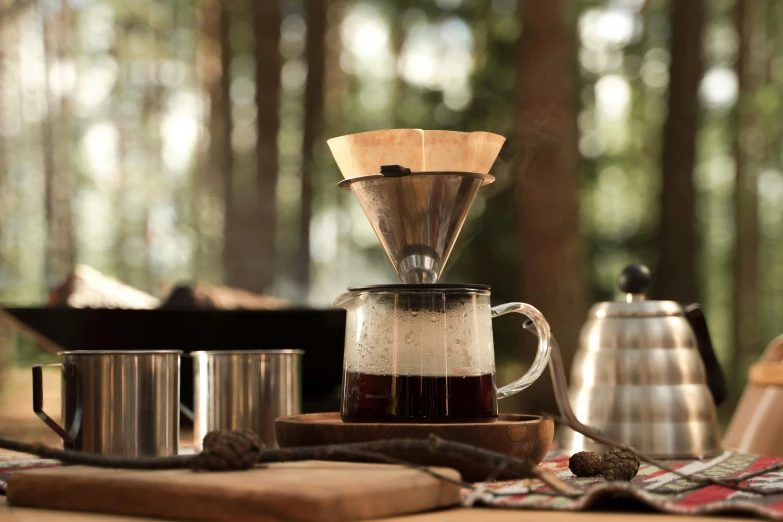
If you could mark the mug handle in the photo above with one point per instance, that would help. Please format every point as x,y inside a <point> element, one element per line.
<point>544,344</point>
<point>69,373</point>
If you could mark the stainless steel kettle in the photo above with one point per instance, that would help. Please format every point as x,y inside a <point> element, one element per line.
<point>646,375</point>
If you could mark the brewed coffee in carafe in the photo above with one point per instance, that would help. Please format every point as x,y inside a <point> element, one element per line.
<point>371,397</point>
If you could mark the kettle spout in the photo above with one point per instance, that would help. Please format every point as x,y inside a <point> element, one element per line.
<point>344,299</point>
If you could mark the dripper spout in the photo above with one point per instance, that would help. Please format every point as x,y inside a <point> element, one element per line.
<point>419,264</point>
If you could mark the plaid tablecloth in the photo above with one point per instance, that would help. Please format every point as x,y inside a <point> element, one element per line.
<point>10,462</point>
<point>652,489</point>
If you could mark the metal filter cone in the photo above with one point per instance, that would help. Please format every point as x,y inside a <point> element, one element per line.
<point>417,216</point>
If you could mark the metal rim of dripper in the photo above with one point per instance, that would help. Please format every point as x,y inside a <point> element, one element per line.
<point>486,179</point>
<point>445,288</point>
<point>120,352</point>
<point>282,351</point>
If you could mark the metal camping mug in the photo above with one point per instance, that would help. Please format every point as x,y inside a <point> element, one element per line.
<point>245,390</point>
<point>120,403</point>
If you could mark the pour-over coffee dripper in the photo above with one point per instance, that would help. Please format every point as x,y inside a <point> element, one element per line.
<point>416,188</point>
<point>422,351</point>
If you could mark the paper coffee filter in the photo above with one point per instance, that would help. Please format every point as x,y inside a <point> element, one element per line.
<point>447,151</point>
<point>364,153</point>
<point>486,147</point>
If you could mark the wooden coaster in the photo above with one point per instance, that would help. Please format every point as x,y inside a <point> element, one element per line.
<point>523,436</point>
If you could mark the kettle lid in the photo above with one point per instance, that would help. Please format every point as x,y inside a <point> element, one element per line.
<point>634,281</point>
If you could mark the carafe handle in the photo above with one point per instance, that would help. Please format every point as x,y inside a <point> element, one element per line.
<point>544,344</point>
<point>69,373</point>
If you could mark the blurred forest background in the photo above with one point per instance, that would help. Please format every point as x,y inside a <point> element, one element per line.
<point>183,140</point>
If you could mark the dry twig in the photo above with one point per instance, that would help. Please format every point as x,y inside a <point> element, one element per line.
<point>383,450</point>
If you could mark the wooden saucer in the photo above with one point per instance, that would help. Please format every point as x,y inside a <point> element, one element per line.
<point>523,436</point>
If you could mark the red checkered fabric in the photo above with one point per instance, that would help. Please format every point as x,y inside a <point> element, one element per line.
<point>651,488</point>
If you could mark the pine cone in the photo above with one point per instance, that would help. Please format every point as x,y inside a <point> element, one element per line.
<point>228,451</point>
<point>585,464</point>
<point>619,464</point>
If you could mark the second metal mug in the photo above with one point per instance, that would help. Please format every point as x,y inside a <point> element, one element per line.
<point>245,390</point>
<point>121,403</point>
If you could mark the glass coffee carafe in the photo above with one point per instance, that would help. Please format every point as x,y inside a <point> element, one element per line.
<point>424,353</point>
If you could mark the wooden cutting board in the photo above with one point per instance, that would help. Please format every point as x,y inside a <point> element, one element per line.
<point>298,491</point>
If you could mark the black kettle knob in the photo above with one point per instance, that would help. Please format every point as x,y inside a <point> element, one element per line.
<point>634,279</point>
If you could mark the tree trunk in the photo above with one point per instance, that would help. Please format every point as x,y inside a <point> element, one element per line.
<point>746,249</point>
<point>266,18</point>
<point>47,143</point>
<point>7,331</point>
<point>313,116</point>
<point>152,107</point>
<point>335,89</point>
<point>121,267</point>
<point>67,178</point>
<point>676,276</point>
<point>250,236</point>
<point>215,154</point>
<point>400,91</point>
<point>222,156</point>
<point>59,254</point>
<point>221,153</point>
<point>5,194</point>
<point>549,245</point>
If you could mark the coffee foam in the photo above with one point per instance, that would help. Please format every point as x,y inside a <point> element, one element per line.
<point>455,342</point>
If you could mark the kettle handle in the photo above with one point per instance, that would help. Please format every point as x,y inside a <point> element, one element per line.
<point>715,381</point>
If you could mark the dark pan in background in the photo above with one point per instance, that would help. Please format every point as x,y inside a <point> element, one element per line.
<point>320,333</point>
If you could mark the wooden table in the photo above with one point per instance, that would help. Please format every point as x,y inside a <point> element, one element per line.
<point>16,514</point>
